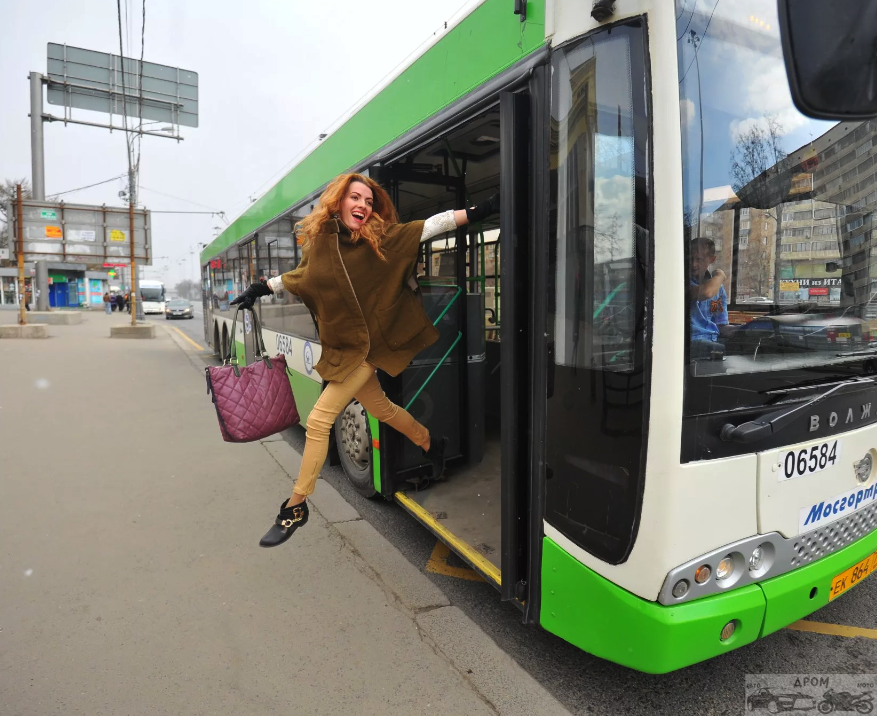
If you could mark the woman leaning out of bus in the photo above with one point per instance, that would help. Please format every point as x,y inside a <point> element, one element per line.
<point>356,261</point>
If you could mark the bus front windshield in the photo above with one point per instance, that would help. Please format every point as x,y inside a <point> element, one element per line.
<point>777,208</point>
<point>152,294</point>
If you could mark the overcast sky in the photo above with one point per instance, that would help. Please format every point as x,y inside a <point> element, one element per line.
<point>273,75</point>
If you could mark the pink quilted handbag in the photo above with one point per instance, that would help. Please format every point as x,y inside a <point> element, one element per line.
<point>255,401</point>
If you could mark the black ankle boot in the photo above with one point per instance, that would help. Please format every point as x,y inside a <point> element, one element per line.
<point>287,522</point>
<point>436,455</point>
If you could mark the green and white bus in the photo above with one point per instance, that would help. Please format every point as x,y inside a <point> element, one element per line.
<point>650,503</point>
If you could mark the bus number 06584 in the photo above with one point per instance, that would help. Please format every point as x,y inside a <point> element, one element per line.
<point>806,461</point>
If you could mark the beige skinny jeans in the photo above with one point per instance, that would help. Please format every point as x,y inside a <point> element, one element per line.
<point>363,385</point>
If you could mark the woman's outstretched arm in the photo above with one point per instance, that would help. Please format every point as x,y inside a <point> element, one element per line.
<point>450,220</point>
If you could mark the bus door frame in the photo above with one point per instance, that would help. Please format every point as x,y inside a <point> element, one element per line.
<point>523,228</point>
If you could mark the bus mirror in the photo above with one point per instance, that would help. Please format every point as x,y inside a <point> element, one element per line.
<point>830,51</point>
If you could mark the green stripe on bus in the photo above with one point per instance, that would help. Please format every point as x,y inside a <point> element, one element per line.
<point>456,65</point>
<point>306,392</point>
<point>375,427</point>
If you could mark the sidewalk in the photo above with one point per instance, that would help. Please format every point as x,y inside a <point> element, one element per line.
<point>131,581</point>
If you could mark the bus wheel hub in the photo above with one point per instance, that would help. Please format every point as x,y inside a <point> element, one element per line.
<point>355,434</point>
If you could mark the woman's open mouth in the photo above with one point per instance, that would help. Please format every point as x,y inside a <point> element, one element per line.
<point>358,215</point>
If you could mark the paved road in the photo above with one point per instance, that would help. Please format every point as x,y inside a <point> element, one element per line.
<point>193,328</point>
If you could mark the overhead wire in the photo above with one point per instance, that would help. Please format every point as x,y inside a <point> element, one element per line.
<point>693,7</point>
<point>88,186</point>
<point>358,102</point>
<point>188,201</point>
<point>697,47</point>
<point>125,102</point>
<point>140,91</point>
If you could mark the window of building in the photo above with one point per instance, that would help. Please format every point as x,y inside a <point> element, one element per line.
<point>855,224</point>
<point>823,214</point>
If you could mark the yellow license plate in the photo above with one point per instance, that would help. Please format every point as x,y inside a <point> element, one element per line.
<point>852,576</point>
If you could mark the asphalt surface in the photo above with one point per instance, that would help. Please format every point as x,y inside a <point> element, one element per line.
<point>193,328</point>
<point>588,685</point>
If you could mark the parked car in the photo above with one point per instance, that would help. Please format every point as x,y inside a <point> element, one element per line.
<point>800,333</point>
<point>179,308</point>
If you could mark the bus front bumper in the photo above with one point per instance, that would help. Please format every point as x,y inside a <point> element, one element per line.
<point>603,619</point>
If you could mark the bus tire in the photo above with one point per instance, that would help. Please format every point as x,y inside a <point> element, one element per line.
<point>225,345</point>
<point>354,442</point>
<point>217,346</point>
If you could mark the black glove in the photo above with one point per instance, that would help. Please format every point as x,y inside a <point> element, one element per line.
<point>481,211</point>
<point>248,298</point>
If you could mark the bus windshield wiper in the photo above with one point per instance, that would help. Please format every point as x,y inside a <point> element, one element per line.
<point>772,423</point>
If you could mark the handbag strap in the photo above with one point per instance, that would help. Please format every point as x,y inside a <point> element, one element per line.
<point>262,353</point>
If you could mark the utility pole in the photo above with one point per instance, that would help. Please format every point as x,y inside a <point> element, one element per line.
<point>38,179</point>
<point>22,314</point>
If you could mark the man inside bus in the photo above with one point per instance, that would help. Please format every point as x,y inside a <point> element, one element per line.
<point>709,302</point>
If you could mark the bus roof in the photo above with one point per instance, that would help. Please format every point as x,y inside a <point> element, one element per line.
<point>485,41</point>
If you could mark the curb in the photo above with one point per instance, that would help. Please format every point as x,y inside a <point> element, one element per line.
<point>491,672</point>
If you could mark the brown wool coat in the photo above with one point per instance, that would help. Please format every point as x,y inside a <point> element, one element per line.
<point>388,334</point>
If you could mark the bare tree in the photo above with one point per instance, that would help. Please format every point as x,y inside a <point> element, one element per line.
<point>757,154</point>
<point>7,194</point>
<point>188,289</point>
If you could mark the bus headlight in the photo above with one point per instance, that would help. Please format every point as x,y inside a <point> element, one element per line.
<point>725,568</point>
<point>702,574</point>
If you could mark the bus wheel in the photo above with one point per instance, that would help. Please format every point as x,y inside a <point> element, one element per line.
<point>354,441</point>
<point>217,346</point>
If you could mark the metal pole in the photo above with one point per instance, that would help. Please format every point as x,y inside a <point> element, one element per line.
<point>133,293</point>
<point>42,285</point>
<point>38,179</point>
<point>22,314</point>
<point>37,155</point>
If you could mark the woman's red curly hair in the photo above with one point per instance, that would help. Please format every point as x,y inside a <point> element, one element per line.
<point>373,231</point>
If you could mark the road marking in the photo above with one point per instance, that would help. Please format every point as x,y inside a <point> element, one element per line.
<point>438,564</point>
<point>833,629</point>
<point>187,338</point>
<point>468,552</point>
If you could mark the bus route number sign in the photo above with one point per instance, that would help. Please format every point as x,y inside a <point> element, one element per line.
<point>807,460</point>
